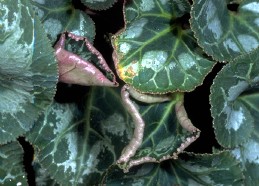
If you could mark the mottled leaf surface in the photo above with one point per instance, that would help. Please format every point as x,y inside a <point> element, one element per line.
<point>11,165</point>
<point>58,16</point>
<point>42,177</point>
<point>215,169</point>
<point>156,52</point>
<point>226,34</point>
<point>99,4</point>
<point>248,155</point>
<point>28,70</point>
<point>160,120</point>
<point>77,143</point>
<point>248,152</point>
<point>234,99</point>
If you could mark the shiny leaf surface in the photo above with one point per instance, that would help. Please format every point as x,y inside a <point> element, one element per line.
<point>156,52</point>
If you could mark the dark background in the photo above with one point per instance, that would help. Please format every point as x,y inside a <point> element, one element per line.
<point>196,102</point>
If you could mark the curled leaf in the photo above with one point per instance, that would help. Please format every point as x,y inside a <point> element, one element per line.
<point>75,70</point>
<point>150,122</point>
<point>190,169</point>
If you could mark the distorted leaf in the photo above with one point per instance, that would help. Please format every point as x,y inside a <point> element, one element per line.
<point>160,119</point>
<point>226,34</point>
<point>76,144</point>
<point>28,70</point>
<point>156,52</point>
<point>215,169</point>
<point>74,69</point>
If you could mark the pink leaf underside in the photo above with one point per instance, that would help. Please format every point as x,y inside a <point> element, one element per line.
<point>75,70</point>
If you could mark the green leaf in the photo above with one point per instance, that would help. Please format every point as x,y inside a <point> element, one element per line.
<point>248,155</point>
<point>74,142</point>
<point>42,177</point>
<point>58,16</point>
<point>163,134</point>
<point>77,143</point>
<point>226,34</point>
<point>156,52</point>
<point>234,99</point>
<point>215,169</point>
<point>28,70</point>
<point>11,165</point>
<point>99,5</point>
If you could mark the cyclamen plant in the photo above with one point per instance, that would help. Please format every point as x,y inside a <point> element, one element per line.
<point>131,126</point>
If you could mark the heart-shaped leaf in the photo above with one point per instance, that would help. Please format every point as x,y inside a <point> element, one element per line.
<point>28,70</point>
<point>226,34</point>
<point>11,165</point>
<point>156,52</point>
<point>58,16</point>
<point>215,169</point>
<point>234,99</point>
